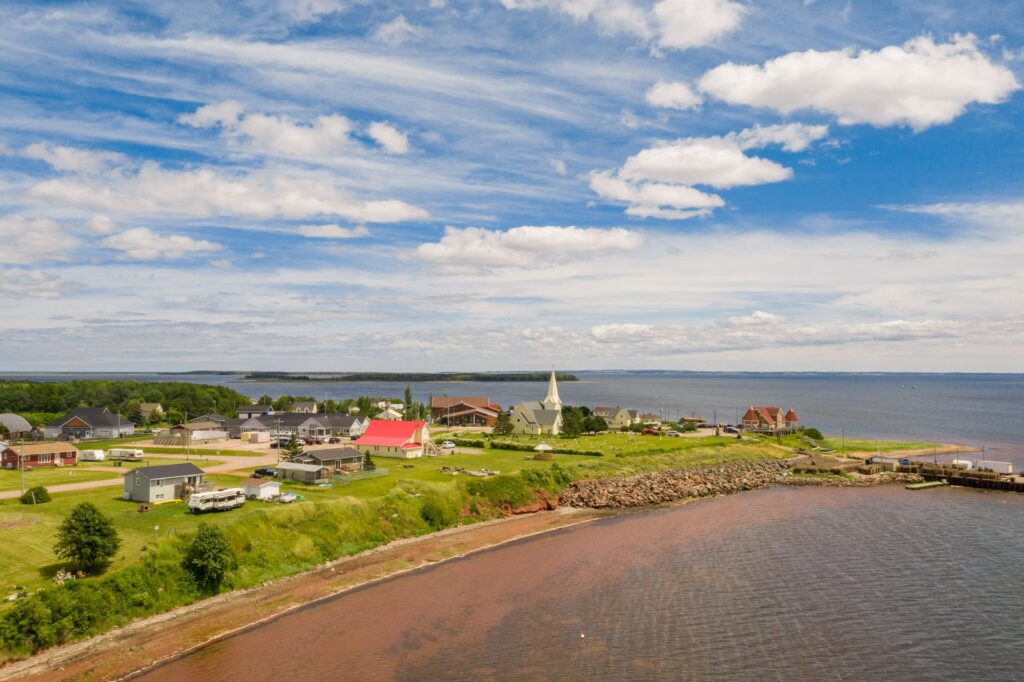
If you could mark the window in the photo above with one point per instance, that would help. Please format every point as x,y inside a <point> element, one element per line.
<point>44,459</point>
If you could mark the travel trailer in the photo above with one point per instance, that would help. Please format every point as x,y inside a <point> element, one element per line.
<point>125,454</point>
<point>90,456</point>
<point>217,500</point>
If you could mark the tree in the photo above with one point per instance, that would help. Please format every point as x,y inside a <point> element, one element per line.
<point>503,424</point>
<point>572,421</point>
<point>813,434</point>
<point>209,557</point>
<point>87,538</point>
<point>174,417</point>
<point>292,449</point>
<point>265,400</point>
<point>408,401</point>
<point>368,461</point>
<point>592,424</point>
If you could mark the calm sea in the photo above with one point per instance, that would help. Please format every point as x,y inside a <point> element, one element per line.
<point>974,409</point>
<point>781,584</point>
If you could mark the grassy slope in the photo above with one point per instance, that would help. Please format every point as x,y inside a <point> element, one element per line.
<point>852,444</point>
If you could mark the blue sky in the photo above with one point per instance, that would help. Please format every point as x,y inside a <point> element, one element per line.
<point>337,184</point>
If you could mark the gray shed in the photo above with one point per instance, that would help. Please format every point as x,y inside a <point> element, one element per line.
<point>302,473</point>
<point>162,483</point>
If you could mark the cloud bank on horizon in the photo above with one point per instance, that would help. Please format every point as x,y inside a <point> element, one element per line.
<point>693,184</point>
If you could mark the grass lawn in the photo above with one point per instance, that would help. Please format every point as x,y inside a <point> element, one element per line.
<point>611,444</point>
<point>795,440</point>
<point>126,442</point>
<point>10,479</point>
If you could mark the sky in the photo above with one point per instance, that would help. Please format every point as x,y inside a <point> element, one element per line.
<point>327,185</point>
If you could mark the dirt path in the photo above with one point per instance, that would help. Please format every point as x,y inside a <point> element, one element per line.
<point>148,642</point>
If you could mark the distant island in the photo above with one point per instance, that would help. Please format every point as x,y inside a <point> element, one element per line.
<point>411,377</point>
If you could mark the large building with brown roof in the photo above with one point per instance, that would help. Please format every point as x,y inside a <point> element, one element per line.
<point>770,419</point>
<point>464,411</point>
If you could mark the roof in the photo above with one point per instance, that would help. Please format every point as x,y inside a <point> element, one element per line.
<point>287,419</point>
<point>333,454</point>
<point>767,413</point>
<point>791,415</point>
<point>336,420</point>
<point>150,406</point>
<point>297,466</point>
<point>471,409</point>
<point>303,403</point>
<point>169,470</point>
<point>256,408</point>
<point>14,423</point>
<point>44,448</point>
<point>93,416</point>
<point>212,417</point>
<point>445,402</point>
<point>546,417</point>
<point>390,433</point>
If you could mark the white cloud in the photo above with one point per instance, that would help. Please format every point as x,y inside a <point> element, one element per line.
<point>673,96</point>
<point>673,24</point>
<point>713,161</point>
<point>792,137</point>
<point>558,166</point>
<point>310,10</point>
<point>100,224</point>
<point>920,83</point>
<point>141,243</point>
<point>19,282</point>
<point>333,231</point>
<point>526,246</point>
<point>323,137</point>
<point>655,200</point>
<point>25,239</point>
<point>693,23</point>
<point>72,159</point>
<point>222,263</point>
<point>396,31</point>
<point>390,138</point>
<point>203,192</point>
<point>657,182</point>
<point>992,214</point>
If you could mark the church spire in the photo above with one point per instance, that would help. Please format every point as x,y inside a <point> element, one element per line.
<point>552,402</point>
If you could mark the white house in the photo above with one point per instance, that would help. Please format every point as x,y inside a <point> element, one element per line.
<point>389,414</point>
<point>543,417</point>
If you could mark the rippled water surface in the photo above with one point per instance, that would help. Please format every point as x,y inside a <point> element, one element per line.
<point>782,584</point>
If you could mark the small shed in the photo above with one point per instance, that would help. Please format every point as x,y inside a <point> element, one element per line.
<point>261,488</point>
<point>302,473</point>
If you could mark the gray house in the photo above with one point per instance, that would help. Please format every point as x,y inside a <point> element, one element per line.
<point>89,422</point>
<point>162,483</point>
<point>345,424</point>
<point>335,459</point>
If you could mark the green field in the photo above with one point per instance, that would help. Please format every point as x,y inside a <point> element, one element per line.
<point>851,444</point>
<point>48,476</point>
<point>611,444</point>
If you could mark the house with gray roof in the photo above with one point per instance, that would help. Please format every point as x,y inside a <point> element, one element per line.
<point>351,425</point>
<point>89,422</point>
<point>162,483</point>
<point>302,425</point>
<point>335,459</point>
<point>249,411</point>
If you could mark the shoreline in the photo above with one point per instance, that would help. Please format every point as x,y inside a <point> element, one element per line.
<point>128,650</point>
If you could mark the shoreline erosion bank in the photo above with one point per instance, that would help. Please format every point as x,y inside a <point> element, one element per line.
<point>148,642</point>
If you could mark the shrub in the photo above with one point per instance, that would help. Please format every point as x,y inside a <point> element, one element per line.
<point>87,538</point>
<point>209,558</point>
<point>813,434</point>
<point>36,495</point>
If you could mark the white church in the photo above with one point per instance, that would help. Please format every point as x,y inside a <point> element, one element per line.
<point>543,417</point>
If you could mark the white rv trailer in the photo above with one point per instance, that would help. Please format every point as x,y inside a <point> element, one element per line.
<point>125,454</point>
<point>216,500</point>
<point>90,456</point>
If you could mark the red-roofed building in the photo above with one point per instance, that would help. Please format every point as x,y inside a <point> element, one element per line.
<point>770,419</point>
<point>401,439</point>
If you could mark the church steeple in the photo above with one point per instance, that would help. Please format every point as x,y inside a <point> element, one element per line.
<point>552,402</point>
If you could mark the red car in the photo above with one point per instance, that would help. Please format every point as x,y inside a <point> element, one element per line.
<point>650,432</point>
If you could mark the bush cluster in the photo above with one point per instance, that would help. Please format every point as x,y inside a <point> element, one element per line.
<point>36,495</point>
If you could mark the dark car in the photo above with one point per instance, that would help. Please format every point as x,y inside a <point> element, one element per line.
<point>333,439</point>
<point>265,471</point>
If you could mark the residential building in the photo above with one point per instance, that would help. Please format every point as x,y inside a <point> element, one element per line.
<point>33,455</point>
<point>89,422</point>
<point>301,424</point>
<point>390,414</point>
<point>302,473</point>
<point>149,409</point>
<point>543,417</point>
<point>16,426</point>
<point>464,411</point>
<point>770,419</point>
<point>401,439</point>
<point>335,459</point>
<point>304,407</point>
<point>250,411</point>
<point>162,483</point>
<point>261,488</point>
<point>351,425</point>
<point>192,432</point>
<point>650,418</point>
<point>617,417</point>
<point>211,417</point>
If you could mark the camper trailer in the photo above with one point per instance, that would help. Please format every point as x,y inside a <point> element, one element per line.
<point>125,454</point>
<point>217,500</point>
<point>90,456</point>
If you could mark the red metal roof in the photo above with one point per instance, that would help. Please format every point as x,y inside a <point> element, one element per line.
<point>389,433</point>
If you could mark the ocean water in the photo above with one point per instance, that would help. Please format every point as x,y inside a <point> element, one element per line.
<point>780,584</point>
<point>970,409</point>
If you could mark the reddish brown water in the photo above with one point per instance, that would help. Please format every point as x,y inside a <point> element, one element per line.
<point>781,584</point>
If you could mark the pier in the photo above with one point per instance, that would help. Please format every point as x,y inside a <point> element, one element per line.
<point>967,478</point>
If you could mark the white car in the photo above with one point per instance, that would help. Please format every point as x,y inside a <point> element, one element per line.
<point>675,434</point>
<point>447,445</point>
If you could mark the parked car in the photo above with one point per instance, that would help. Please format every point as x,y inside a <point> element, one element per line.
<point>334,439</point>
<point>265,471</point>
<point>905,462</point>
<point>674,434</point>
<point>731,429</point>
<point>651,432</point>
<point>447,444</point>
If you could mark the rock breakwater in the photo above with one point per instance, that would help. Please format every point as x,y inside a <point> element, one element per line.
<point>647,489</point>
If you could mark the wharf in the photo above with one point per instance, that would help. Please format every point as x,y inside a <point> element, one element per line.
<point>966,478</point>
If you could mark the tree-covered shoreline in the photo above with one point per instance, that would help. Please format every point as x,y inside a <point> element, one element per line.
<point>413,377</point>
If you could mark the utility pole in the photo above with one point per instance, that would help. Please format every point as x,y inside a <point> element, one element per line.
<point>21,464</point>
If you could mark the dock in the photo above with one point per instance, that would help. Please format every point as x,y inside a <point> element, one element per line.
<point>969,478</point>
<point>926,485</point>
